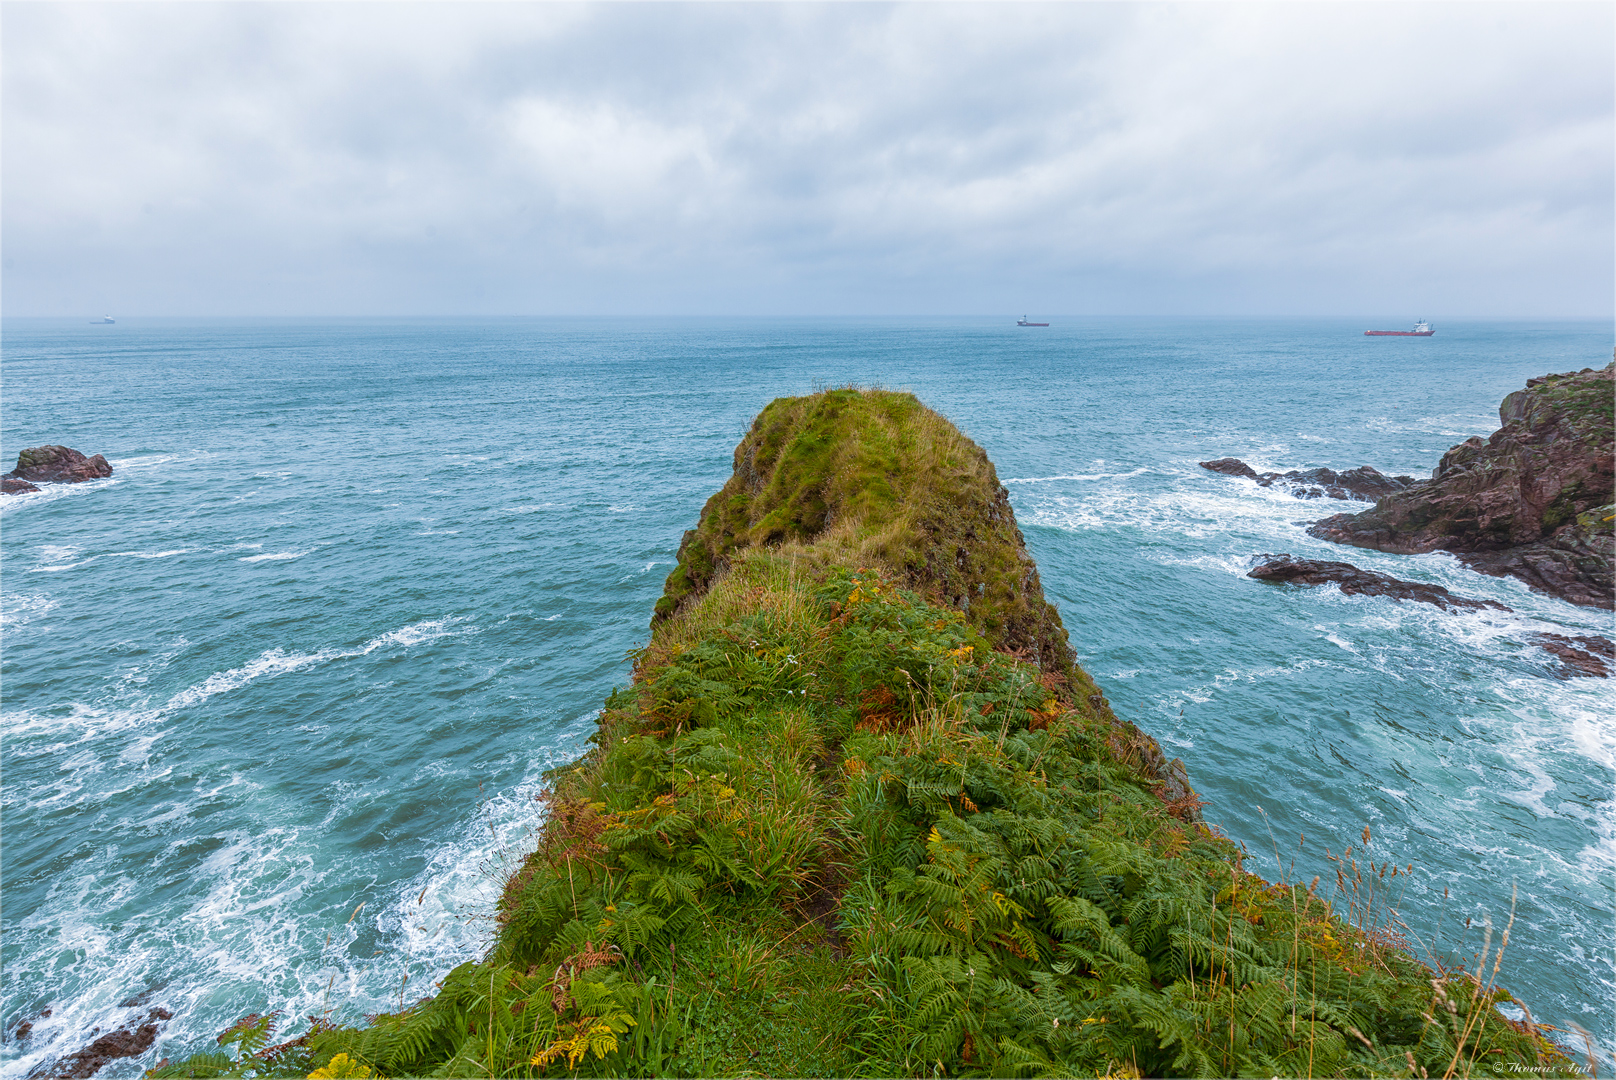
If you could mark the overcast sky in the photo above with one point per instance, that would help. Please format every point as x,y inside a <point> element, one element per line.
<point>378,159</point>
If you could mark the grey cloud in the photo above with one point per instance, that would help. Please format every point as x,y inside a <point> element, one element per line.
<point>808,159</point>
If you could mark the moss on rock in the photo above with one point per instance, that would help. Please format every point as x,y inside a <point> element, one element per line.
<point>874,478</point>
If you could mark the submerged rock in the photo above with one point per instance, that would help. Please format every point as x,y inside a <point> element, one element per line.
<point>1364,483</point>
<point>1531,501</point>
<point>1589,655</point>
<point>10,485</point>
<point>53,465</point>
<point>131,1040</point>
<point>1354,581</point>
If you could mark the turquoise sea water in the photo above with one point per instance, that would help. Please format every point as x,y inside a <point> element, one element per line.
<point>354,585</point>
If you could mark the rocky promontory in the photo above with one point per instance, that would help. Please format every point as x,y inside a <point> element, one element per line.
<point>52,465</point>
<point>1533,500</point>
<point>861,813</point>
<point>1365,482</point>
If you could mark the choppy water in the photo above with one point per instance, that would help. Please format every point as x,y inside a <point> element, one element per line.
<point>355,585</point>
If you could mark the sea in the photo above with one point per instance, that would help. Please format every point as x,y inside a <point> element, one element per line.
<point>279,695</point>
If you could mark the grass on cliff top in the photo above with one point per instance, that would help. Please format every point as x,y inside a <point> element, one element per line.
<point>829,831</point>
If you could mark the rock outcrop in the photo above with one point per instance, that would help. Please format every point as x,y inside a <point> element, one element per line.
<point>1589,655</point>
<point>1533,500</point>
<point>1354,581</point>
<point>131,1040</point>
<point>53,465</point>
<point>1364,483</point>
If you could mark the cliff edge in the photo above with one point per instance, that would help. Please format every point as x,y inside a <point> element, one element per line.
<point>1533,500</point>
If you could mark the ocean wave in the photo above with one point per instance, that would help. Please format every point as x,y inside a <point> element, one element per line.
<point>277,661</point>
<point>50,493</point>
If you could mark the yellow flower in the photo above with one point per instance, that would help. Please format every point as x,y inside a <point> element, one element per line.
<point>340,1066</point>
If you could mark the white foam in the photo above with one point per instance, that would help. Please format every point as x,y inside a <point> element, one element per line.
<point>272,662</point>
<point>1077,476</point>
<point>275,557</point>
<point>1338,641</point>
<point>19,609</point>
<point>49,493</point>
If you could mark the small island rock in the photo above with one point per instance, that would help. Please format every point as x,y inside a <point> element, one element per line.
<point>53,465</point>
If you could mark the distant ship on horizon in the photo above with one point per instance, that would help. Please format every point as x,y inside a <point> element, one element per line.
<point>103,320</point>
<point>1421,329</point>
<point>1023,322</point>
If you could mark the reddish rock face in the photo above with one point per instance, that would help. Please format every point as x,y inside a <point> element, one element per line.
<point>54,465</point>
<point>1534,500</point>
<point>1591,656</point>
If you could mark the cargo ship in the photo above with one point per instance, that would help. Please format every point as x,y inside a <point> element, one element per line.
<point>1023,322</point>
<point>1421,329</point>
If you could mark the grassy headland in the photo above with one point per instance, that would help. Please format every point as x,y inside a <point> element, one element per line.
<point>861,814</point>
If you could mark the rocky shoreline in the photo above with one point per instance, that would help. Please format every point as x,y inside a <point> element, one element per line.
<point>1532,501</point>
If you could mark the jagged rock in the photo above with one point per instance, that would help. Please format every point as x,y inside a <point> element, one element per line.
<point>54,465</point>
<point>1354,581</point>
<point>10,485</point>
<point>1591,655</point>
<point>1532,501</point>
<point>131,1040</point>
<point>1364,483</point>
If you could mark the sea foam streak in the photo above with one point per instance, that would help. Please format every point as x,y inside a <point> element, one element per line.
<point>277,556</point>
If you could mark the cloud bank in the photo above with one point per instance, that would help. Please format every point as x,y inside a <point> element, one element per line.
<point>800,159</point>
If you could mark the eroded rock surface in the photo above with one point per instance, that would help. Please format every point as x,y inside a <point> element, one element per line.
<point>1364,483</point>
<point>1533,500</point>
<point>1355,581</point>
<point>131,1040</point>
<point>1589,655</point>
<point>53,465</point>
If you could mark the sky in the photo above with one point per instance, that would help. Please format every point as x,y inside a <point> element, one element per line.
<point>237,159</point>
